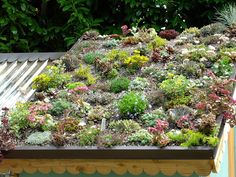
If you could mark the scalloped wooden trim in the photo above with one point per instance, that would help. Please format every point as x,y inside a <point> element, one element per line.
<point>104,167</point>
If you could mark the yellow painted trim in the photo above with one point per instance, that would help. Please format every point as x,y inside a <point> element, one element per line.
<point>231,153</point>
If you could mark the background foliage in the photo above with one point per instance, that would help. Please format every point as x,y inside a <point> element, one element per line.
<point>54,25</point>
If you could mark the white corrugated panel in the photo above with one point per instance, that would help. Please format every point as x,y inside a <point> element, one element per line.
<point>16,79</point>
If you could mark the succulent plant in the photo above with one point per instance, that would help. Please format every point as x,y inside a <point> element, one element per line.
<point>149,119</point>
<point>88,136</point>
<point>119,84</point>
<point>109,139</point>
<point>90,57</point>
<point>179,111</point>
<point>138,83</point>
<point>132,104</point>
<point>39,138</point>
<point>169,34</point>
<point>124,126</point>
<point>141,137</point>
<point>208,123</point>
<point>97,114</point>
<point>214,28</point>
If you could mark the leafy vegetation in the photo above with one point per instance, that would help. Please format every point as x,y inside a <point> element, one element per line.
<point>57,24</point>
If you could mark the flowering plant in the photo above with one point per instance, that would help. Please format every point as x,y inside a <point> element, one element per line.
<point>39,117</point>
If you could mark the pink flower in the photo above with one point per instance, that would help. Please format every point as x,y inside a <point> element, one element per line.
<point>31,118</point>
<point>125,30</point>
<point>42,120</point>
<point>79,89</point>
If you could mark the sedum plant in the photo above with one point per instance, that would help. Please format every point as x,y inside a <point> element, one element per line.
<point>136,60</point>
<point>54,77</point>
<point>18,117</point>
<point>224,67</point>
<point>84,73</point>
<point>176,89</point>
<point>119,84</point>
<point>141,137</point>
<point>90,57</point>
<point>157,42</point>
<point>149,119</point>
<point>188,138</point>
<point>138,83</point>
<point>39,138</point>
<point>88,136</point>
<point>124,126</point>
<point>132,104</point>
<point>59,106</point>
<point>117,55</point>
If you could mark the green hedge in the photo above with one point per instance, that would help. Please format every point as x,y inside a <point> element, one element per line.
<point>54,25</point>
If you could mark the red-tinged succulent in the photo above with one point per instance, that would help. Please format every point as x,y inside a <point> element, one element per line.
<point>201,106</point>
<point>169,34</point>
<point>160,127</point>
<point>185,122</point>
<point>161,55</point>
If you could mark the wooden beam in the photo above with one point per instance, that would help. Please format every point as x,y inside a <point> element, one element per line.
<point>231,153</point>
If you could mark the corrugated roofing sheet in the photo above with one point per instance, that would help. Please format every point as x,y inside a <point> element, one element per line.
<point>17,71</point>
<point>21,57</point>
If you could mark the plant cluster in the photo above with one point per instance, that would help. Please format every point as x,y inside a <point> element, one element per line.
<point>157,42</point>
<point>39,138</point>
<point>54,77</point>
<point>176,89</point>
<point>169,34</point>
<point>162,54</point>
<point>124,126</point>
<point>138,83</point>
<point>7,138</point>
<point>90,57</point>
<point>224,67</point>
<point>154,92</point>
<point>142,137</point>
<point>136,60</point>
<point>119,84</point>
<point>84,73</point>
<point>132,105</point>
